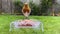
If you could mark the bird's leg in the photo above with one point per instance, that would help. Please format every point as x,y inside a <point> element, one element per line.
<point>26,18</point>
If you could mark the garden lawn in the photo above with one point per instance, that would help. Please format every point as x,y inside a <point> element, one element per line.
<point>51,25</point>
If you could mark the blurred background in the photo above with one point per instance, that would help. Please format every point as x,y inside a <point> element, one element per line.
<point>38,7</point>
<point>46,11</point>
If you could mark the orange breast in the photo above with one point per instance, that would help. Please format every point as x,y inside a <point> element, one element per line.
<point>26,10</point>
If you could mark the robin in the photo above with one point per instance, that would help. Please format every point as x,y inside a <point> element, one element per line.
<point>26,10</point>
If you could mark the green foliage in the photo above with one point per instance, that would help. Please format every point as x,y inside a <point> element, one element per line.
<point>45,5</point>
<point>18,6</point>
<point>35,9</point>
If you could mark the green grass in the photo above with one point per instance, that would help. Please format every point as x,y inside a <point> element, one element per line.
<point>51,25</point>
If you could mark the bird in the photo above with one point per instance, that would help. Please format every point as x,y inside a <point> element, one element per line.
<point>26,10</point>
